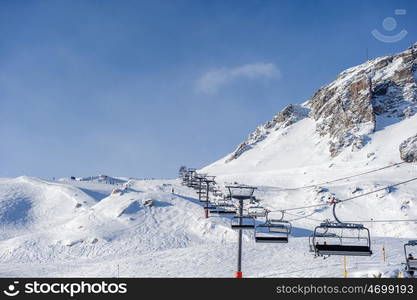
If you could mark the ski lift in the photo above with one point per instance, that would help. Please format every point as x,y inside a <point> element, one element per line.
<point>410,260</point>
<point>243,222</point>
<point>223,211</point>
<point>211,204</point>
<point>217,193</point>
<point>224,202</point>
<point>324,236</point>
<point>224,207</point>
<point>273,230</point>
<point>256,212</point>
<point>193,184</point>
<point>254,201</point>
<point>210,207</point>
<point>241,192</point>
<point>339,238</point>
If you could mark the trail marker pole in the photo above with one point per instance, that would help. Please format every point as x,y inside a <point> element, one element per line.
<point>345,273</point>
<point>383,253</point>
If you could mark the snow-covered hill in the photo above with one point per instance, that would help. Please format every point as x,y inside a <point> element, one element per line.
<point>121,235</point>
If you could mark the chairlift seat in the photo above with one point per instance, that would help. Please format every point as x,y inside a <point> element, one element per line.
<point>271,239</point>
<point>243,222</point>
<point>257,214</point>
<point>267,233</point>
<point>210,207</point>
<point>345,250</point>
<point>243,226</point>
<point>224,203</point>
<point>257,211</point>
<point>220,211</point>
<point>412,264</point>
<point>227,212</point>
<point>279,229</point>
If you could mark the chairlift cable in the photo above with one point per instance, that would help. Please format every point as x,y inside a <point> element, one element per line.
<point>351,198</point>
<point>382,221</point>
<point>343,178</point>
<point>379,190</point>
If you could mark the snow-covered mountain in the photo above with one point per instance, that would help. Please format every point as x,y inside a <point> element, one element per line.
<point>363,114</point>
<point>110,226</point>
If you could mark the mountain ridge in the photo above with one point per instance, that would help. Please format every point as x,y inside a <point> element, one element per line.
<point>347,110</point>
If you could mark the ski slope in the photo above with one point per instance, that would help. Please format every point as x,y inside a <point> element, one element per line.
<point>113,235</point>
<point>296,156</point>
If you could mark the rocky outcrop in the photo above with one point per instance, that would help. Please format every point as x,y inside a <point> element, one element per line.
<point>394,86</point>
<point>347,110</point>
<point>344,112</point>
<point>408,149</point>
<point>288,116</point>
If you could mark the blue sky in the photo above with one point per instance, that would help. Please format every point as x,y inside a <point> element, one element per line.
<point>138,88</point>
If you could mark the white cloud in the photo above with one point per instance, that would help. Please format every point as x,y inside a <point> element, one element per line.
<point>213,80</point>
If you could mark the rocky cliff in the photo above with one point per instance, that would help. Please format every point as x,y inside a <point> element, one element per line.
<point>348,109</point>
<point>408,149</point>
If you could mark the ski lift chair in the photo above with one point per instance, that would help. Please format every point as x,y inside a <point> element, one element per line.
<point>341,244</point>
<point>211,206</point>
<point>224,208</point>
<point>273,230</point>
<point>323,236</point>
<point>223,211</point>
<point>217,193</point>
<point>257,212</point>
<point>238,195</point>
<point>339,238</point>
<point>243,222</point>
<point>209,203</point>
<point>194,184</point>
<point>224,202</point>
<point>410,260</point>
<point>241,192</point>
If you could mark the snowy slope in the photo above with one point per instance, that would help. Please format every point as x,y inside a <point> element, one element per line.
<point>30,204</point>
<point>171,238</point>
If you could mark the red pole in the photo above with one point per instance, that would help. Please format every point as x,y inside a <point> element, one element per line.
<point>206,213</point>
<point>239,275</point>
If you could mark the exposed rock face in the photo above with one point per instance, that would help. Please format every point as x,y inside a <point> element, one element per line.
<point>347,110</point>
<point>343,111</point>
<point>288,116</point>
<point>394,87</point>
<point>408,149</point>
